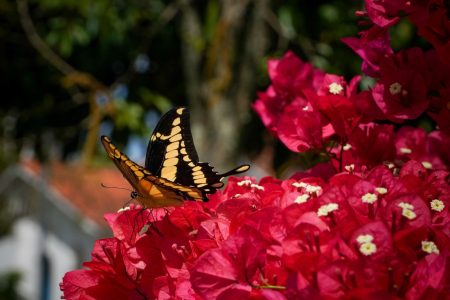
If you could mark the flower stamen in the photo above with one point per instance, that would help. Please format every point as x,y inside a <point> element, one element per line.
<point>301,199</point>
<point>407,210</point>
<point>437,205</point>
<point>325,209</point>
<point>335,88</point>
<point>395,88</point>
<point>429,247</point>
<point>369,198</point>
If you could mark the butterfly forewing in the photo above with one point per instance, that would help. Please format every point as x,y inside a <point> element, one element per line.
<point>171,138</point>
<point>171,154</point>
<point>122,162</point>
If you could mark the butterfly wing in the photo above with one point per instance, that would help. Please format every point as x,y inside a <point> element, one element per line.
<point>129,169</point>
<point>170,142</point>
<point>171,155</point>
<point>152,191</point>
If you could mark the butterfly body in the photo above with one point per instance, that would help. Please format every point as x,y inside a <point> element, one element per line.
<point>172,172</point>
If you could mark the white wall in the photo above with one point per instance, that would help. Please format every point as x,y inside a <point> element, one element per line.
<point>63,259</point>
<point>22,251</point>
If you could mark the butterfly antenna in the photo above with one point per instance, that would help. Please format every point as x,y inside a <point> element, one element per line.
<point>115,187</point>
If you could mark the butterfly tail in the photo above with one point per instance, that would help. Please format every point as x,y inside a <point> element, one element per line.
<point>240,169</point>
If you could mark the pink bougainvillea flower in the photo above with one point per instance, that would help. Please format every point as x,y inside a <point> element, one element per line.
<point>415,144</point>
<point>384,13</point>
<point>269,106</point>
<point>372,45</point>
<point>106,277</point>
<point>290,76</point>
<point>322,170</point>
<point>233,270</point>
<point>332,85</point>
<point>438,143</point>
<point>401,92</point>
<point>373,144</point>
<point>300,129</point>
<point>433,23</point>
<point>440,108</point>
<point>338,111</point>
<point>430,278</point>
<point>351,234</point>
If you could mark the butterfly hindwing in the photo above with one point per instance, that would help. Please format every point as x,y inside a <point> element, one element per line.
<point>171,154</point>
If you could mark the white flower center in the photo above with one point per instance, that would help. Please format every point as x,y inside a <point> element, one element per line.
<point>405,150</point>
<point>427,165</point>
<point>437,205</point>
<point>250,184</point>
<point>349,168</point>
<point>381,190</point>
<point>244,182</point>
<point>407,210</point>
<point>308,188</point>
<point>302,198</point>
<point>405,205</point>
<point>364,238</point>
<point>429,247</point>
<point>395,88</point>
<point>369,198</point>
<point>368,248</point>
<point>409,214</point>
<point>325,209</point>
<point>299,184</point>
<point>313,189</point>
<point>256,186</point>
<point>347,147</point>
<point>335,88</point>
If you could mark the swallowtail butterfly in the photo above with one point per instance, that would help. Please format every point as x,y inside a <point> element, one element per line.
<point>172,172</point>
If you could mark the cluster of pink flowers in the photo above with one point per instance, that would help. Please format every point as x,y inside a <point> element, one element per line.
<point>373,235</point>
<point>371,221</point>
<point>307,108</point>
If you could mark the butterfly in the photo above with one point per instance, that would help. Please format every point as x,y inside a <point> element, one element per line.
<point>172,172</point>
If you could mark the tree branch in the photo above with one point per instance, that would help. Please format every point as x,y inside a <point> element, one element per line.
<point>72,78</point>
<point>38,43</point>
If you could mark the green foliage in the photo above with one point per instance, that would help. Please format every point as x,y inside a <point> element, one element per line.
<point>211,19</point>
<point>402,34</point>
<point>104,37</point>
<point>150,98</point>
<point>74,23</point>
<point>128,115</point>
<point>8,286</point>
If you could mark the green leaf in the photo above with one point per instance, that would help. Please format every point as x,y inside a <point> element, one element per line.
<point>286,21</point>
<point>211,19</point>
<point>128,115</point>
<point>151,98</point>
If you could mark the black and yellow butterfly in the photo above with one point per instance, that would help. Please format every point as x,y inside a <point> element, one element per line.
<point>172,172</point>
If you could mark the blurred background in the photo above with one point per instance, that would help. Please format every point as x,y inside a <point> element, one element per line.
<point>72,70</point>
